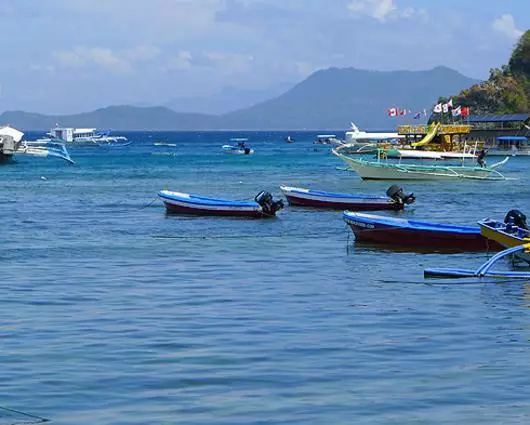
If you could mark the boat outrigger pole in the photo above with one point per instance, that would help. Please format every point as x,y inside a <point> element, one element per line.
<point>484,269</point>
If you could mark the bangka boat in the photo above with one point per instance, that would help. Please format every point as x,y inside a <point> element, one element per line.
<point>262,206</point>
<point>485,269</point>
<point>240,148</point>
<point>83,136</point>
<point>513,231</point>
<point>384,169</point>
<point>12,145</point>
<point>412,233</point>
<point>395,199</point>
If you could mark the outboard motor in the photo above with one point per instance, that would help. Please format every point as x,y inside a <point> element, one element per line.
<point>268,205</point>
<point>517,218</point>
<point>247,151</point>
<point>396,193</point>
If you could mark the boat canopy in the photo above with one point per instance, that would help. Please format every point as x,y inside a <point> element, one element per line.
<point>326,136</point>
<point>13,132</point>
<point>512,138</point>
<point>239,139</point>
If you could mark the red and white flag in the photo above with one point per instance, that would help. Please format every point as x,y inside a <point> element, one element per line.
<point>450,103</point>
<point>464,111</point>
<point>392,112</point>
<point>438,108</point>
<point>403,112</point>
<point>445,108</point>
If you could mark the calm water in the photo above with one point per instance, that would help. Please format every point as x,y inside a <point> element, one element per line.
<point>114,313</point>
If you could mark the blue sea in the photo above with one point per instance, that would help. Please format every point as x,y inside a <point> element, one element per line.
<point>114,313</point>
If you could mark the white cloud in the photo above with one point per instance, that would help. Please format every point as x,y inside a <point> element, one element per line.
<point>378,9</point>
<point>83,56</point>
<point>506,25</point>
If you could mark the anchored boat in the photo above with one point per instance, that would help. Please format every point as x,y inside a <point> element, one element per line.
<point>12,145</point>
<point>384,169</point>
<point>511,232</point>
<point>240,148</point>
<point>412,233</point>
<point>184,203</point>
<point>395,199</point>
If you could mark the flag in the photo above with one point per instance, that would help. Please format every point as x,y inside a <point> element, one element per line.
<point>457,111</point>
<point>438,108</point>
<point>450,103</point>
<point>464,111</point>
<point>392,112</point>
<point>425,112</point>
<point>403,112</point>
<point>417,115</point>
<point>445,108</point>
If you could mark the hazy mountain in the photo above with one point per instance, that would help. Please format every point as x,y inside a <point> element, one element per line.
<point>115,117</point>
<point>327,99</point>
<point>227,100</point>
<point>332,98</point>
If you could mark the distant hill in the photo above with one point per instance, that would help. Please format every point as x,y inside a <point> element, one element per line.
<point>115,117</point>
<point>332,98</point>
<point>327,99</point>
<point>508,88</point>
<point>227,100</point>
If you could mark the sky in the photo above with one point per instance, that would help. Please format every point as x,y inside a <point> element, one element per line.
<point>70,56</point>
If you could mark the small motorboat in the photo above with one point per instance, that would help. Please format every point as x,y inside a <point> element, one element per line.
<point>412,233</point>
<point>289,139</point>
<point>511,232</point>
<point>395,199</point>
<point>240,148</point>
<point>262,206</point>
<point>485,269</point>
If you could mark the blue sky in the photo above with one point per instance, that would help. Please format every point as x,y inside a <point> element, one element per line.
<point>68,56</point>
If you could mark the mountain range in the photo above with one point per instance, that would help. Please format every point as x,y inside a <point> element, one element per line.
<point>327,99</point>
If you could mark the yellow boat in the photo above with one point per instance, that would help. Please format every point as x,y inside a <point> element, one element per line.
<point>509,233</point>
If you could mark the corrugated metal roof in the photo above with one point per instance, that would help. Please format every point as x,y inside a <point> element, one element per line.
<point>498,118</point>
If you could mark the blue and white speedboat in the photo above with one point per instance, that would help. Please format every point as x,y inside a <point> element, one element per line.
<point>238,148</point>
<point>262,206</point>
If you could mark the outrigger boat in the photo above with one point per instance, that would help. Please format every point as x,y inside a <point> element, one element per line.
<point>383,169</point>
<point>412,233</point>
<point>184,203</point>
<point>12,145</point>
<point>511,232</point>
<point>395,199</point>
<point>485,269</point>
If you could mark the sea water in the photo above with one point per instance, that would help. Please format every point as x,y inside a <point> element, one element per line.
<point>114,313</point>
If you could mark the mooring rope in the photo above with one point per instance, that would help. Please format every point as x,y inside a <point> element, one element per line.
<point>39,419</point>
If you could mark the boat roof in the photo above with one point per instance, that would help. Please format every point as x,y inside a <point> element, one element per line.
<point>326,135</point>
<point>238,139</point>
<point>507,138</point>
<point>498,118</point>
<point>13,132</point>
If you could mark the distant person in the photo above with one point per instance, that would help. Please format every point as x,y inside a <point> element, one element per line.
<point>481,157</point>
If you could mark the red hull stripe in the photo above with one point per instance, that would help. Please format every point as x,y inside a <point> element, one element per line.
<point>177,209</point>
<point>368,206</point>
<point>418,238</point>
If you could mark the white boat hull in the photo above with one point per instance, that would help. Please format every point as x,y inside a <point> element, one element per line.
<point>368,170</point>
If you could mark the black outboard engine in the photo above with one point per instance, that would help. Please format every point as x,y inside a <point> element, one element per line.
<point>268,205</point>
<point>517,218</point>
<point>396,193</point>
<point>247,151</point>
